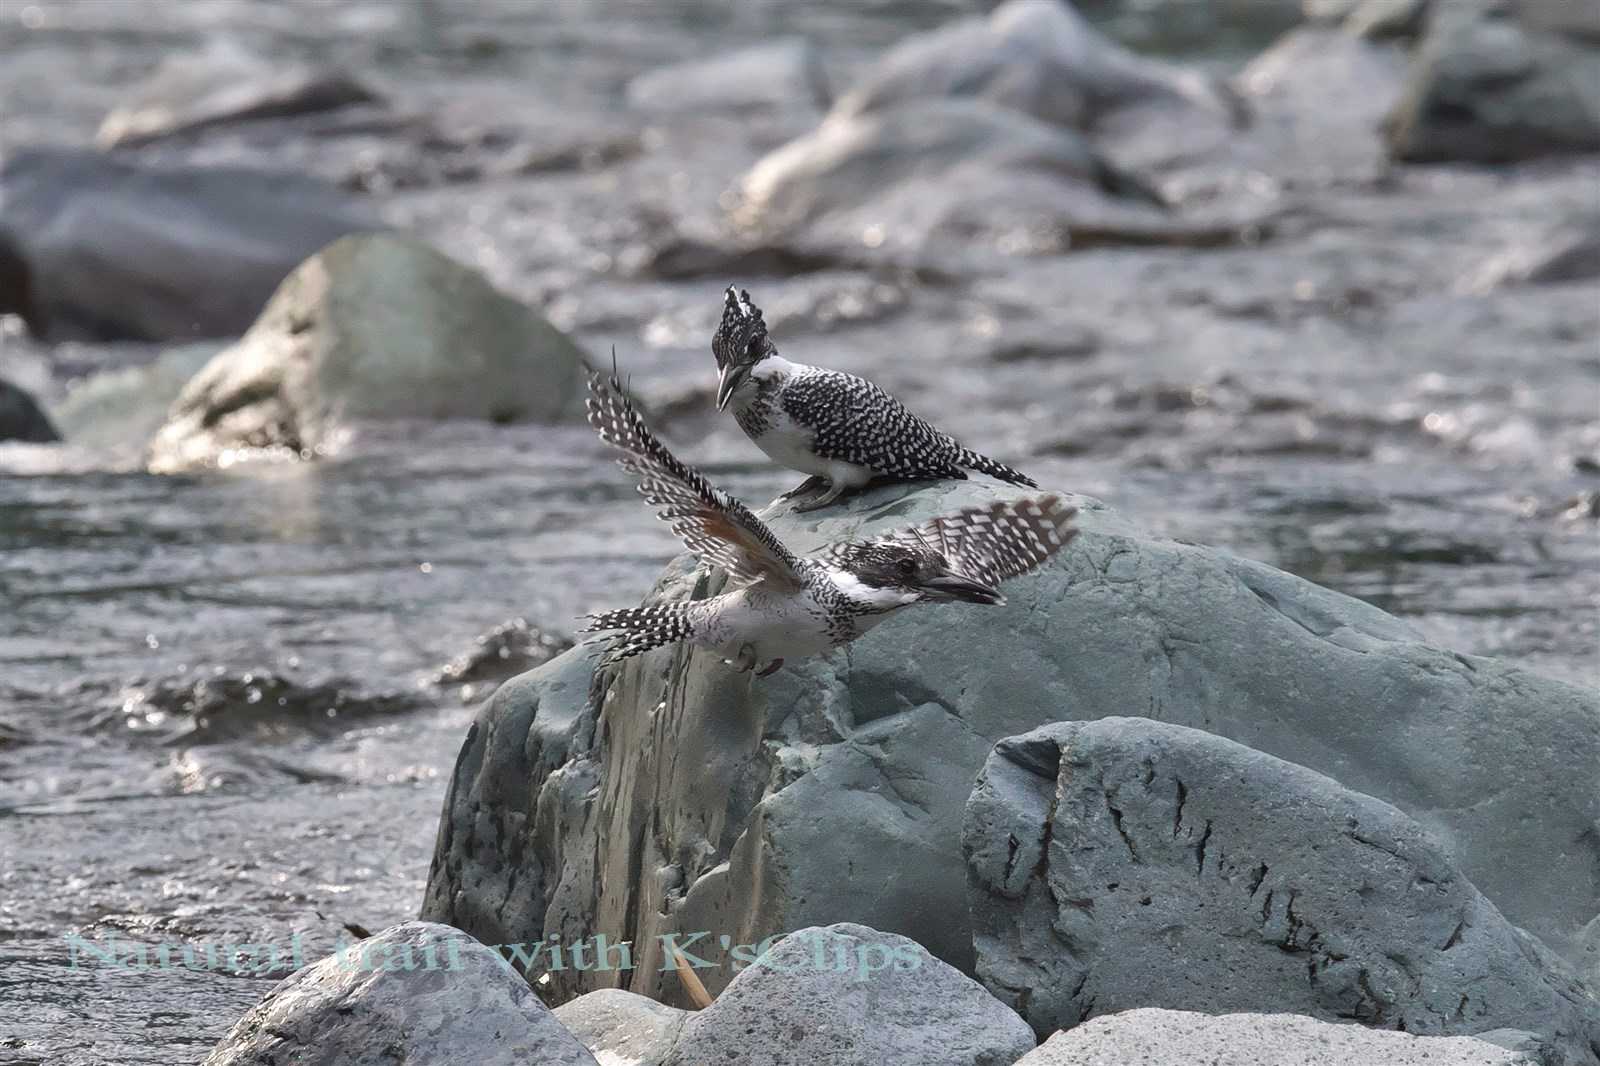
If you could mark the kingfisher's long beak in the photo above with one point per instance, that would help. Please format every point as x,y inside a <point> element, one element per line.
<point>732,375</point>
<point>955,587</point>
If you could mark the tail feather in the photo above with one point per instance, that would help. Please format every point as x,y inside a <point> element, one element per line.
<point>639,629</point>
<point>999,471</point>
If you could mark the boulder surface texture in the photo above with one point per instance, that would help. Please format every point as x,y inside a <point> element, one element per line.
<point>1125,862</point>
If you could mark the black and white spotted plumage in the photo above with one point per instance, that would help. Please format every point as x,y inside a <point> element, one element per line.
<point>783,605</point>
<point>854,421</point>
<point>641,628</point>
<point>836,427</point>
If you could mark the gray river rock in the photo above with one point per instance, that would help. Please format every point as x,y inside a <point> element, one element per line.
<point>623,1027</point>
<point>1039,57</point>
<point>226,85</point>
<point>832,791</point>
<point>372,327</point>
<point>21,419</point>
<point>16,284</point>
<point>913,173</point>
<point>1496,81</point>
<point>414,993</point>
<point>1154,1037</point>
<point>1126,862</point>
<point>846,995</point>
<point>768,77</point>
<point>1385,19</point>
<point>121,250</point>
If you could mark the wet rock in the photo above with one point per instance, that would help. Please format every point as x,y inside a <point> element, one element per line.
<point>372,327</point>
<point>682,256</point>
<point>16,285</point>
<point>261,706</point>
<point>118,250</point>
<point>508,649</point>
<point>1320,96</point>
<point>779,75</point>
<point>977,134</point>
<point>417,993</point>
<point>1568,253</point>
<point>1127,862</point>
<point>1154,1037</point>
<point>1562,16</point>
<point>225,85</point>
<point>897,177</point>
<point>1328,11</point>
<point>1039,57</point>
<point>1187,28</point>
<point>1494,82</point>
<point>672,794</point>
<point>1029,344</point>
<point>846,995</point>
<point>622,1027</point>
<point>21,419</point>
<point>597,150</point>
<point>1388,19</point>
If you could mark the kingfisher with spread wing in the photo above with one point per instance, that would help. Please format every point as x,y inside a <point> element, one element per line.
<point>782,605</point>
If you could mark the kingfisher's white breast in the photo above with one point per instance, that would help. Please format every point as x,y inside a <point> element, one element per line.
<point>779,623</point>
<point>787,442</point>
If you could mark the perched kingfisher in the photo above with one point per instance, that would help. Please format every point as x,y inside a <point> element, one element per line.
<point>840,429</point>
<point>781,605</point>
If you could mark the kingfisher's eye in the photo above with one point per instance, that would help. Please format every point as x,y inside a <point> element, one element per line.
<point>907,567</point>
<point>754,347</point>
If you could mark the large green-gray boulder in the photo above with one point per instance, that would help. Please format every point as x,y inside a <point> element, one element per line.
<point>372,327</point>
<point>1123,863</point>
<point>674,795</point>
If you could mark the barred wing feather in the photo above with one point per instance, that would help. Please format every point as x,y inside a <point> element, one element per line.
<point>713,525</point>
<point>1002,540</point>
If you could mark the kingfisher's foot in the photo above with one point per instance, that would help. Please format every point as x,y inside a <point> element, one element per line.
<point>746,659</point>
<point>805,488</point>
<point>770,668</point>
<point>835,490</point>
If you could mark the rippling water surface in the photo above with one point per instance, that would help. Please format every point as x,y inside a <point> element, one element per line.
<point>221,708</point>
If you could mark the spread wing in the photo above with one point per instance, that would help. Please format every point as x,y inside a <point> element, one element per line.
<point>992,543</point>
<point>713,525</point>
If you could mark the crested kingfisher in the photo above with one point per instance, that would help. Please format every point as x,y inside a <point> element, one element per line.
<point>840,429</point>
